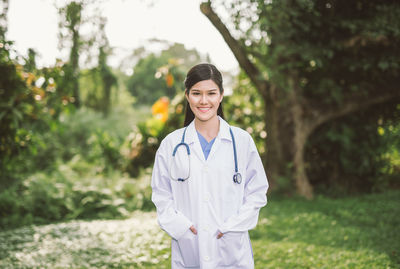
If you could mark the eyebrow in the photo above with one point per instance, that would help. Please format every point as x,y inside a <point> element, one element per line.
<point>204,90</point>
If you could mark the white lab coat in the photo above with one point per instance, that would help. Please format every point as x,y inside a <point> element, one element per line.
<point>209,199</point>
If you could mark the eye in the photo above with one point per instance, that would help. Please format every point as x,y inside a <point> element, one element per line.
<point>212,93</point>
<point>195,93</point>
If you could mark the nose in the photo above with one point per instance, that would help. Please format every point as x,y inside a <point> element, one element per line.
<point>203,99</point>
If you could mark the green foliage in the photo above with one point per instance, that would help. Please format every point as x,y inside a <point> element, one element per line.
<point>3,19</point>
<point>75,172</point>
<point>22,111</point>
<point>245,109</point>
<point>97,84</point>
<point>75,190</point>
<point>146,85</point>
<point>334,47</point>
<point>357,163</point>
<point>358,232</point>
<point>147,135</point>
<point>71,21</point>
<point>154,76</point>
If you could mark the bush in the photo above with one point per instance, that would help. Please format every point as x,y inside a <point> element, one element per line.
<point>76,190</point>
<point>75,171</point>
<point>142,143</point>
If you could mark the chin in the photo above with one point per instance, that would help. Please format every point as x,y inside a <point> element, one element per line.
<point>205,117</point>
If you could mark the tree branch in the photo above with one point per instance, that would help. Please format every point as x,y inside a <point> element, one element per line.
<point>351,105</point>
<point>239,53</point>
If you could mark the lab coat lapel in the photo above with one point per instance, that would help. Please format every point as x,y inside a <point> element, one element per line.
<point>193,141</point>
<point>214,147</point>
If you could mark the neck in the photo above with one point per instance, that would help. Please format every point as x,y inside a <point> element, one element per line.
<point>208,129</point>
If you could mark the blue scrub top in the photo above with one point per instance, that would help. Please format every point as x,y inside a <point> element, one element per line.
<point>205,146</point>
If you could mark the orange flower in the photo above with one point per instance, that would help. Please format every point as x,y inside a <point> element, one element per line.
<point>160,109</point>
<point>170,80</point>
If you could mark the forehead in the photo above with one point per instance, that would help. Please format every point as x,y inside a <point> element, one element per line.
<point>205,85</point>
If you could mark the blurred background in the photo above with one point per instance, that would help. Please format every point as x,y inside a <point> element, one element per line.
<point>88,89</point>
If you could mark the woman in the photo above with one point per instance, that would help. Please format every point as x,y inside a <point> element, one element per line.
<point>208,181</point>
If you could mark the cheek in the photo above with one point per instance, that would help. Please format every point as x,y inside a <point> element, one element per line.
<point>190,99</point>
<point>192,103</point>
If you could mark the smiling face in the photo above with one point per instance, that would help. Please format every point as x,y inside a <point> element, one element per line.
<point>204,99</point>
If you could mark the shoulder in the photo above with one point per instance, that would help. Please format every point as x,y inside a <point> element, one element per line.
<point>243,140</point>
<point>175,135</point>
<point>171,139</point>
<point>241,133</point>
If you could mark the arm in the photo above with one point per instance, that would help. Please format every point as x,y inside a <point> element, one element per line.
<point>170,220</point>
<point>255,189</point>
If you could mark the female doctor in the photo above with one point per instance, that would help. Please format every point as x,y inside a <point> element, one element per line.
<point>208,181</point>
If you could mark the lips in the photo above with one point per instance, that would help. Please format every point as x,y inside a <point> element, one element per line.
<point>204,109</point>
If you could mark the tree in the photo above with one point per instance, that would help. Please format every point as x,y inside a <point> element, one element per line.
<point>3,18</point>
<point>70,24</point>
<point>313,62</point>
<point>97,82</point>
<point>21,109</point>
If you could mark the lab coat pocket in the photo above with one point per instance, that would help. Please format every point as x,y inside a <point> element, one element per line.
<point>231,248</point>
<point>189,249</point>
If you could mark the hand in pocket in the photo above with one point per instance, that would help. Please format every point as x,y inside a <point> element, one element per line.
<point>231,248</point>
<point>194,231</point>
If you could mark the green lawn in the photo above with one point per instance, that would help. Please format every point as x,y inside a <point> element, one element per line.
<point>362,232</point>
<point>357,232</point>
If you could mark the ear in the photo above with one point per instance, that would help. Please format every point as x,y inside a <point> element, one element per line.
<point>222,97</point>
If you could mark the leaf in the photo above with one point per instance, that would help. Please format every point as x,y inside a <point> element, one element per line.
<point>383,65</point>
<point>17,113</point>
<point>2,114</point>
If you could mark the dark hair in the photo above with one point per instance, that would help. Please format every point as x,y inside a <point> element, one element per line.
<point>198,73</point>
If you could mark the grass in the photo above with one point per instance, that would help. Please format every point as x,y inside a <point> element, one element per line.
<point>358,232</point>
<point>354,232</point>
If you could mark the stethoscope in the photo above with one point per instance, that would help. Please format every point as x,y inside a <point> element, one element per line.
<point>237,177</point>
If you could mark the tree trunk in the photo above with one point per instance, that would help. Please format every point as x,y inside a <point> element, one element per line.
<point>287,134</point>
<point>300,135</point>
<point>273,155</point>
<point>74,60</point>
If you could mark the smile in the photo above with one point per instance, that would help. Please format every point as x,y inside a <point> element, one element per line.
<point>204,109</point>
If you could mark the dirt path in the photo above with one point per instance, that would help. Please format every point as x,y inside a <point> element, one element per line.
<point>136,242</point>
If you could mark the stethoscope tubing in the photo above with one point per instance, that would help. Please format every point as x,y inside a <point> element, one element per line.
<point>237,177</point>
<point>188,153</point>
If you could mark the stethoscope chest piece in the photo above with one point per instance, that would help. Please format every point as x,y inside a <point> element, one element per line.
<point>237,178</point>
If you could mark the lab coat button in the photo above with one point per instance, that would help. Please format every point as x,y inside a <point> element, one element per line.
<point>205,169</point>
<point>206,228</point>
<point>206,258</point>
<point>207,197</point>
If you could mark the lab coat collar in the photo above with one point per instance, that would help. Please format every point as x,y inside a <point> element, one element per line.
<point>191,135</point>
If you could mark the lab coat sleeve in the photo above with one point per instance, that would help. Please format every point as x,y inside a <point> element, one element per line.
<point>255,190</point>
<point>170,220</point>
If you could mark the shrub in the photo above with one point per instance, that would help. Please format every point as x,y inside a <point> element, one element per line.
<point>75,190</point>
